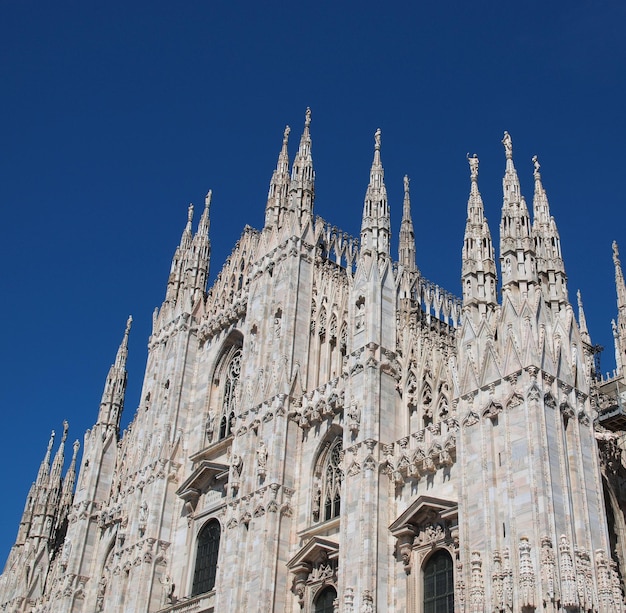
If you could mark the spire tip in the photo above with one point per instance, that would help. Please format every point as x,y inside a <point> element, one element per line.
<point>473,164</point>
<point>508,145</point>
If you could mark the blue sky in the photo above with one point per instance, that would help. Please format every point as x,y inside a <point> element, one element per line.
<point>114,116</point>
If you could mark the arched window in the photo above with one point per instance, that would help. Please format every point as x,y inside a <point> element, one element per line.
<point>333,476</point>
<point>439,583</point>
<point>325,599</point>
<point>233,372</point>
<point>206,558</point>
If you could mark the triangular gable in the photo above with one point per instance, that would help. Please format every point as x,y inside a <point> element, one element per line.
<point>200,479</point>
<point>316,549</point>
<point>422,509</point>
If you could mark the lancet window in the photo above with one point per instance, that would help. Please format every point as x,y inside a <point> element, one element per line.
<point>327,504</point>
<point>324,603</point>
<point>439,583</point>
<point>229,397</point>
<point>206,558</point>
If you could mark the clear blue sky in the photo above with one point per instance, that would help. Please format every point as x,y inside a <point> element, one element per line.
<point>114,116</point>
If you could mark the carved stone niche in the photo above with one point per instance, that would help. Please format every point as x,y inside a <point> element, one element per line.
<point>426,524</point>
<point>313,568</point>
<point>207,475</point>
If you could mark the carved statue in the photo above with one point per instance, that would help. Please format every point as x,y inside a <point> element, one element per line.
<point>508,145</point>
<point>473,163</point>
<point>261,454</point>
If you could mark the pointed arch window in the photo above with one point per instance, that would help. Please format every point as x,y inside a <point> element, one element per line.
<point>324,603</point>
<point>206,558</point>
<point>333,477</point>
<point>439,583</point>
<point>233,372</point>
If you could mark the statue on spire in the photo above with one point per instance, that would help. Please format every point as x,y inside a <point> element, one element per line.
<point>508,145</point>
<point>377,139</point>
<point>406,184</point>
<point>307,119</point>
<point>473,163</point>
<point>536,164</point>
<point>288,130</point>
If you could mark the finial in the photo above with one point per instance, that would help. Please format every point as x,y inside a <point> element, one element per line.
<point>377,139</point>
<point>508,145</point>
<point>406,184</point>
<point>51,441</point>
<point>537,167</point>
<point>473,164</point>
<point>307,120</point>
<point>65,429</point>
<point>76,448</point>
<point>129,322</point>
<point>207,198</point>
<point>288,130</point>
<point>190,212</point>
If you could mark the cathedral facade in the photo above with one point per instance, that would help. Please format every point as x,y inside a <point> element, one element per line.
<point>325,430</point>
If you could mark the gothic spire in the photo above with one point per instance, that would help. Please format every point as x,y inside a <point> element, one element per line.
<point>302,186</point>
<point>44,468</point>
<point>582,320</point>
<point>112,402</point>
<point>550,268</point>
<point>67,493</point>
<point>185,239</point>
<point>279,185</point>
<point>406,250</point>
<point>516,249</point>
<point>205,222</point>
<point>375,225</point>
<point>59,458</point>
<point>198,256</point>
<point>479,268</point>
<point>619,330</point>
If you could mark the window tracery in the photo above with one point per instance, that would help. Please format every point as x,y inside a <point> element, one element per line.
<point>327,500</point>
<point>229,399</point>
<point>438,579</point>
<point>206,558</point>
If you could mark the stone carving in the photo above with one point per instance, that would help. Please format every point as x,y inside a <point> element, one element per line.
<point>367,605</point>
<point>210,426</point>
<point>261,456</point>
<point>354,417</point>
<point>569,596</point>
<point>236,466</point>
<point>548,570</point>
<point>477,587</point>
<point>527,574</point>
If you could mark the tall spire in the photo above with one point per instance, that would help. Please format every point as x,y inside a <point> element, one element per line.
<point>279,186</point>
<point>582,320</point>
<point>375,226</point>
<point>112,402</point>
<point>406,249</point>
<point>44,468</point>
<point>59,458</point>
<point>190,264</point>
<point>517,257</point>
<point>479,268</point>
<point>550,268</point>
<point>67,493</point>
<point>620,328</point>
<point>197,258</point>
<point>302,186</point>
<point>185,239</point>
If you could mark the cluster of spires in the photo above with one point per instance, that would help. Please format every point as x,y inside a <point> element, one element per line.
<point>50,496</point>
<point>530,255</point>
